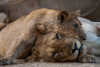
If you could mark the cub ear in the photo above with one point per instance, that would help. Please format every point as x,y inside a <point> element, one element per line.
<point>41,28</point>
<point>77,13</point>
<point>64,15</point>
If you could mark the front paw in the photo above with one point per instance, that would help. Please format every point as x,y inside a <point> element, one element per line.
<point>88,59</point>
<point>6,61</point>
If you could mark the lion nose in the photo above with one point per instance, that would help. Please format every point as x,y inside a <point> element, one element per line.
<point>84,37</point>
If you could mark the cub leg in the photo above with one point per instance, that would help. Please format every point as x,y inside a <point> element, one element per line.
<point>32,58</point>
<point>16,48</point>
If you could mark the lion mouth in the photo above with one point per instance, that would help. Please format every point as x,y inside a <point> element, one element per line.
<point>78,54</point>
<point>75,48</point>
<point>80,50</point>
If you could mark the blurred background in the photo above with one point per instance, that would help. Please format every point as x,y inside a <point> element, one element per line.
<point>11,10</point>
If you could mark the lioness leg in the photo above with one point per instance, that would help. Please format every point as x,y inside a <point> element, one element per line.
<point>16,48</point>
<point>84,58</point>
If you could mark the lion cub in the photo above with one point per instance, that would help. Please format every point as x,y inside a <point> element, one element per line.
<point>18,37</point>
<point>55,48</point>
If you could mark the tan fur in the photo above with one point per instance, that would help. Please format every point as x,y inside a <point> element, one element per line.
<point>17,38</point>
<point>2,25</point>
<point>51,49</point>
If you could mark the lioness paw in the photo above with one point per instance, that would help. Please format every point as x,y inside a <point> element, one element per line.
<point>4,61</point>
<point>88,59</point>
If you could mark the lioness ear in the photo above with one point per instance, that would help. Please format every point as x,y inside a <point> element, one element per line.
<point>41,27</point>
<point>64,15</point>
<point>77,13</point>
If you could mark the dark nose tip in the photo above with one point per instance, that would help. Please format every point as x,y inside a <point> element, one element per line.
<point>84,38</point>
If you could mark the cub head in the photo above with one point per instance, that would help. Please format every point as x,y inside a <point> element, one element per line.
<point>53,49</point>
<point>70,26</point>
<point>59,21</point>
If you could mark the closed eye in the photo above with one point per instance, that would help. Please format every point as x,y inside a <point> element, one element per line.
<point>54,53</point>
<point>76,26</point>
<point>58,36</point>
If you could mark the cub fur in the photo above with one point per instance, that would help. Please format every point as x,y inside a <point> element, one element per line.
<point>18,37</point>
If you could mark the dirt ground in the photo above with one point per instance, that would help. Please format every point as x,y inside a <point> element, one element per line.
<point>41,64</point>
<point>48,64</point>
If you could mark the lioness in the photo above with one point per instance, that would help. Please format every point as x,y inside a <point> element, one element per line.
<point>17,38</point>
<point>54,49</point>
<point>92,30</point>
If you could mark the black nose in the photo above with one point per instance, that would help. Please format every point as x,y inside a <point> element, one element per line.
<point>84,38</point>
<point>75,48</point>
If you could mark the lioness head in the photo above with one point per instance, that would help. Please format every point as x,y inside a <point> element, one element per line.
<point>59,21</point>
<point>53,49</point>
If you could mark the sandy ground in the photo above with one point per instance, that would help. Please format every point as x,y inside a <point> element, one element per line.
<point>48,64</point>
<point>41,64</point>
